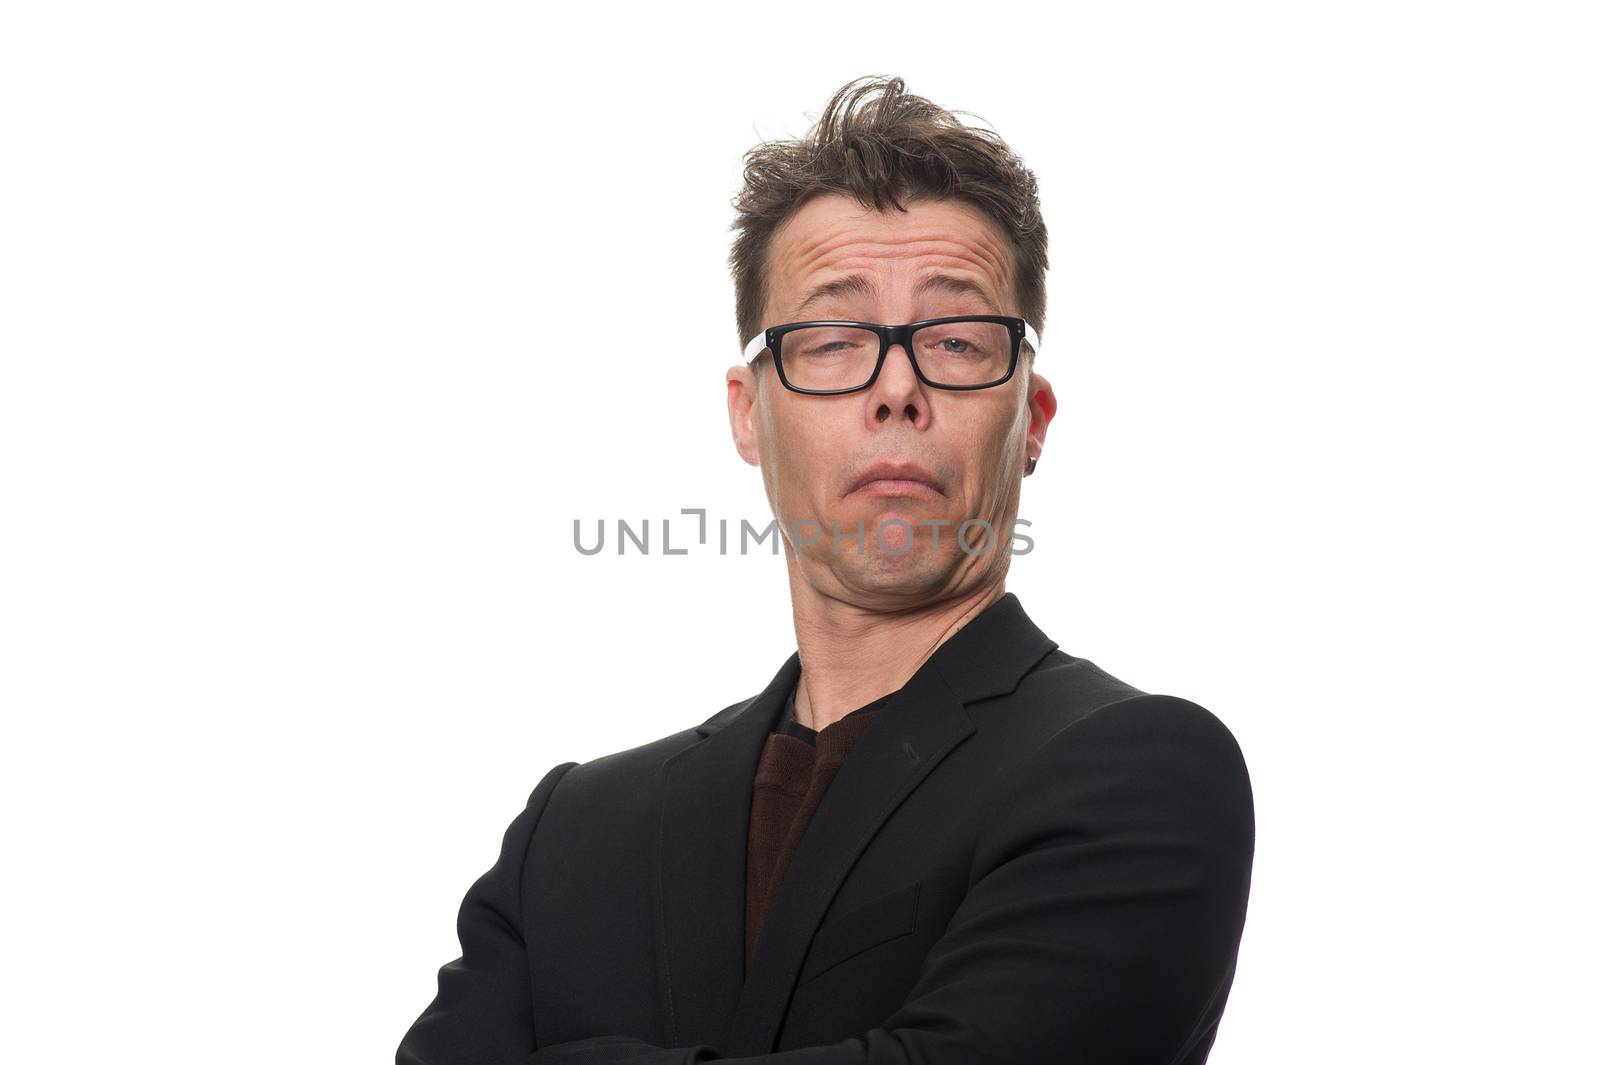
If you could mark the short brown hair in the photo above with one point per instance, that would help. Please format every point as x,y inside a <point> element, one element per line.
<point>878,143</point>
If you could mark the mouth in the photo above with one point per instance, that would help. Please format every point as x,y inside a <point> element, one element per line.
<point>903,479</point>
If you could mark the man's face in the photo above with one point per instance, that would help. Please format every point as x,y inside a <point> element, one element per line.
<point>812,450</point>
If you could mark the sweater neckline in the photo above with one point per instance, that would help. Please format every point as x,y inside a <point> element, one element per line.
<point>788,726</point>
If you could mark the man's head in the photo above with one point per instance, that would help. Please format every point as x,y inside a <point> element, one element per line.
<point>897,213</point>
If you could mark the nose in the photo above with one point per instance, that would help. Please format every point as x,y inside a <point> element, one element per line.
<point>897,389</point>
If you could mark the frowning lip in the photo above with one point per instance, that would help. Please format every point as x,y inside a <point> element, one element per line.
<point>904,478</point>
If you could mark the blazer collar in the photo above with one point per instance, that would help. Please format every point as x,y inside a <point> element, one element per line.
<point>705,824</point>
<point>986,657</point>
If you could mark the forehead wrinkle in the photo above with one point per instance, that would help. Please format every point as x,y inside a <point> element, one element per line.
<point>877,246</point>
<point>941,255</point>
<point>800,255</point>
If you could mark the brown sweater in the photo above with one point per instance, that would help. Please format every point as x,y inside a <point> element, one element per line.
<point>797,765</point>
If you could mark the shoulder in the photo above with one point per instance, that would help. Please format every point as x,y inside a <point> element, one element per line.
<point>626,768</point>
<point>1160,743</point>
<point>1142,766</point>
<point>617,778</point>
<point>1073,702</point>
<point>1159,724</point>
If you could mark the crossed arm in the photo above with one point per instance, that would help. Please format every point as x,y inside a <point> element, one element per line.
<point>1101,925</point>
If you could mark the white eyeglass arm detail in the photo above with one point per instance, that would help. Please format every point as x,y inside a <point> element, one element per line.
<point>758,343</point>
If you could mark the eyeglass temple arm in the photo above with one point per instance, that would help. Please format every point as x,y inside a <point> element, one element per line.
<point>1031,337</point>
<point>758,343</point>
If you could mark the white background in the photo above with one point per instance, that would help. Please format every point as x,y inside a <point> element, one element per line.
<point>291,449</point>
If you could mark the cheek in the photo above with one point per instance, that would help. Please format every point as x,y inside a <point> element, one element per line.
<point>796,459</point>
<point>1015,439</point>
<point>993,442</point>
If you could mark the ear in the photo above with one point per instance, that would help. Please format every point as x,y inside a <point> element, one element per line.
<point>1041,408</point>
<point>742,396</point>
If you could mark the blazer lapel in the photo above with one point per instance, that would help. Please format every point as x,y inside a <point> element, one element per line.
<point>700,864</point>
<point>706,819</point>
<point>913,731</point>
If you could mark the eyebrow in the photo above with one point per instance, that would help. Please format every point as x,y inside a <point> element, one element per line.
<point>860,285</point>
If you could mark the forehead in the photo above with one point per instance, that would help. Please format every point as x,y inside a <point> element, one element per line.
<point>833,236</point>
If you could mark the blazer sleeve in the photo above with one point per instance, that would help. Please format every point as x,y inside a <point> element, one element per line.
<point>1103,918</point>
<point>483,1012</point>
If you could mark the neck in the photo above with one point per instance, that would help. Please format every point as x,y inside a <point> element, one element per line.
<point>852,655</point>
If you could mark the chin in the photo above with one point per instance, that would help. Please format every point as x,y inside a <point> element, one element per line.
<point>887,585</point>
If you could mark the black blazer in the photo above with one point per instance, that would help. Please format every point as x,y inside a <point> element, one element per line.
<point>1023,860</point>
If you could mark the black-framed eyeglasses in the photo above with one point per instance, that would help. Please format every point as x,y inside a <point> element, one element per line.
<point>831,358</point>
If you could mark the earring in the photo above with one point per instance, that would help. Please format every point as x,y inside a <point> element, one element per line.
<point>1032,462</point>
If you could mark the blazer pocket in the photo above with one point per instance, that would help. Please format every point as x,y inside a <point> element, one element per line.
<point>863,927</point>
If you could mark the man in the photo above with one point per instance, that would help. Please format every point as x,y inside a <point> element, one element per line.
<point>935,837</point>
